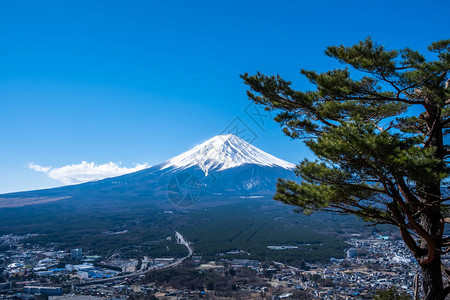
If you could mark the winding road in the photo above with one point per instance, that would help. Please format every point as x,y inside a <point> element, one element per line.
<point>180,240</point>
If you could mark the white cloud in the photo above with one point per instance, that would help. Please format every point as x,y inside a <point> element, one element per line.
<point>86,171</point>
<point>38,168</point>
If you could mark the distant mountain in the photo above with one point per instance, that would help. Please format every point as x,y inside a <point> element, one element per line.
<point>218,195</point>
<point>224,166</point>
<point>224,152</point>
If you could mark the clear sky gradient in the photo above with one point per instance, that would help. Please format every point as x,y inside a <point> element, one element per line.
<point>142,81</point>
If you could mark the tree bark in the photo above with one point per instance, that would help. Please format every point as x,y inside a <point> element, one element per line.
<point>430,220</point>
<point>432,283</point>
<point>432,280</point>
<point>416,287</point>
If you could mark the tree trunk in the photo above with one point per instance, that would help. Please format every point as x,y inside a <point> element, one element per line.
<point>430,220</point>
<point>433,286</point>
<point>432,280</point>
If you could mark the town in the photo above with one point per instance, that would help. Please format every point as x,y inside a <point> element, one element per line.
<point>371,263</point>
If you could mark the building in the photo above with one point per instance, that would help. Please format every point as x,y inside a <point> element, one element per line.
<point>44,290</point>
<point>244,263</point>
<point>84,267</point>
<point>76,254</point>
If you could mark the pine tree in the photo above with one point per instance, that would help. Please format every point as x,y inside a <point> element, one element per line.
<point>379,135</point>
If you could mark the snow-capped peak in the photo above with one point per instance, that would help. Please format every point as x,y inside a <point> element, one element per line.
<point>223,152</point>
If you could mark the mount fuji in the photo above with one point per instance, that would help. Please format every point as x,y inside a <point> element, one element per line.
<point>222,167</point>
<point>218,195</point>
<point>224,152</point>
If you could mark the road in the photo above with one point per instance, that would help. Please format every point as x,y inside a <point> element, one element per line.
<point>180,240</point>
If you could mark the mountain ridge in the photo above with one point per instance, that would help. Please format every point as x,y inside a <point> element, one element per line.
<point>223,152</point>
<point>223,167</point>
<point>223,210</point>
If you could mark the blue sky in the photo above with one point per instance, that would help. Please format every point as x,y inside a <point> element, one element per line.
<point>141,81</point>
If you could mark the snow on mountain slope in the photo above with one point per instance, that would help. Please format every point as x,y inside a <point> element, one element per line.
<point>223,152</point>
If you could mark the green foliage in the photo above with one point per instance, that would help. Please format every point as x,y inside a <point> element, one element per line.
<point>187,276</point>
<point>245,226</point>
<point>210,285</point>
<point>390,294</point>
<point>379,130</point>
<point>251,229</point>
<point>364,132</point>
<point>316,277</point>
